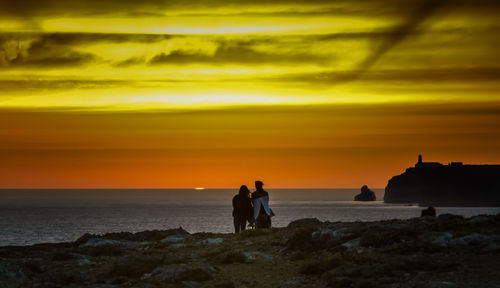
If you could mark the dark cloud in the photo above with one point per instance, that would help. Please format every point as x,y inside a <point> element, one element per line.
<point>33,51</point>
<point>235,52</point>
<point>393,37</point>
<point>400,32</point>
<point>86,38</point>
<point>97,7</point>
<point>435,76</point>
<point>55,84</point>
<point>161,7</point>
<point>156,8</point>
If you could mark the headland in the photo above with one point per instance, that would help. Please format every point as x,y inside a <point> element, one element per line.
<point>455,184</point>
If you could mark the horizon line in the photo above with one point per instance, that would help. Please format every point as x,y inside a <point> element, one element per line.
<point>184,188</point>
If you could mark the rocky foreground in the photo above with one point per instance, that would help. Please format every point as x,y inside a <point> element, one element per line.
<point>445,251</point>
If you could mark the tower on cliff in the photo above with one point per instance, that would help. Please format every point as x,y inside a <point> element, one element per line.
<point>419,159</point>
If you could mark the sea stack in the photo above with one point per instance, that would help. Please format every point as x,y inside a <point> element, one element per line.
<point>366,195</point>
<point>455,184</point>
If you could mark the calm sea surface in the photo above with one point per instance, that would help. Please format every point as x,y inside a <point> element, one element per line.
<point>36,216</point>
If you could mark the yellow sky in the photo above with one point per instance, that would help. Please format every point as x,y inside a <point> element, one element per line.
<point>68,67</point>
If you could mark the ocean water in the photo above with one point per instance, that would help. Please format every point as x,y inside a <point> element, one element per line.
<point>40,216</point>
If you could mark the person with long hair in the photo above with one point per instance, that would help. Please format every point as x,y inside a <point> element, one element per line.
<point>242,209</point>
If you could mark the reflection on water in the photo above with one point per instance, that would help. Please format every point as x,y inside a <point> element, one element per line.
<point>36,222</point>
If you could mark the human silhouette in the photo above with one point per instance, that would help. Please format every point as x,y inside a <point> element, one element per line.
<point>261,211</point>
<point>242,209</point>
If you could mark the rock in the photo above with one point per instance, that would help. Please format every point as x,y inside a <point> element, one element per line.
<point>175,238</point>
<point>480,219</point>
<point>85,262</point>
<point>352,244</point>
<point>365,195</point>
<point>100,242</point>
<point>63,256</point>
<point>82,260</point>
<point>11,276</point>
<point>430,211</point>
<point>442,284</point>
<point>230,257</point>
<point>455,184</point>
<point>95,242</point>
<point>134,266</point>
<point>194,284</point>
<point>440,239</point>
<point>492,247</point>
<point>212,241</point>
<point>297,281</point>
<point>474,239</point>
<point>33,265</point>
<point>144,236</point>
<point>178,245</point>
<point>326,234</point>
<point>257,256</point>
<point>66,277</point>
<point>304,223</point>
<point>183,272</point>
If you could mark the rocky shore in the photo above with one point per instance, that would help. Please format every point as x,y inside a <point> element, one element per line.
<point>444,251</point>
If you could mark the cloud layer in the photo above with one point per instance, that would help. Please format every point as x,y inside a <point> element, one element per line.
<point>296,51</point>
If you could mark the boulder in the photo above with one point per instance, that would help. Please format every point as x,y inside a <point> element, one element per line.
<point>183,272</point>
<point>70,277</point>
<point>96,242</point>
<point>474,239</point>
<point>11,276</point>
<point>144,236</point>
<point>256,256</point>
<point>304,223</point>
<point>326,234</point>
<point>134,265</point>
<point>176,238</point>
<point>194,284</point>
<point>352,244</point>
<point>101,242</point>
<point>430,211</point>
<point>480,220</point>
<point>440,239</point>
<point>365,195</point>
<point>212,241</point>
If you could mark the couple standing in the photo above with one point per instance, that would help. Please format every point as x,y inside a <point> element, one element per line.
<point>251,207</point>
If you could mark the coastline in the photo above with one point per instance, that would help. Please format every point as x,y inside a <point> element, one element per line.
<point>445,251</point>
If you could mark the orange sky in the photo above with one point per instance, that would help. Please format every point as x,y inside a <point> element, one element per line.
<point>297,93</point>
<point>312,146</point>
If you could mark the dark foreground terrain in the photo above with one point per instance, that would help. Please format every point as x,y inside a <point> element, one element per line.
<point>446,251</point>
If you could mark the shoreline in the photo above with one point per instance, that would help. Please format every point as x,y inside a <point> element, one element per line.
<point>443,251</point>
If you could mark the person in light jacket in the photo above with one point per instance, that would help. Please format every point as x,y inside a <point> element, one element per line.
<point>261,211</point>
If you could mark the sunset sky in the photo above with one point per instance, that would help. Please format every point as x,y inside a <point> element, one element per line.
<point>213,93</point>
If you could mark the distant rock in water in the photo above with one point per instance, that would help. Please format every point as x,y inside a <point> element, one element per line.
<point>430,211</point>
<point>455,184</point>
<point>366,195</point>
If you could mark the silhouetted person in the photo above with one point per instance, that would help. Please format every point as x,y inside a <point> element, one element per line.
<point>261,211</point>
<point>430,211</point>
<point>242,209</point>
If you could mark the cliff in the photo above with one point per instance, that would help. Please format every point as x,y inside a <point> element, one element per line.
<point>455,184</point>
<point>443,251</point>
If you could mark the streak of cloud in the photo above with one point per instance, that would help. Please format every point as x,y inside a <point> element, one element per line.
<point>394,37</point>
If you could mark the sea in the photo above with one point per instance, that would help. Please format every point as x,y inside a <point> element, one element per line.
<point>59,215</point>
